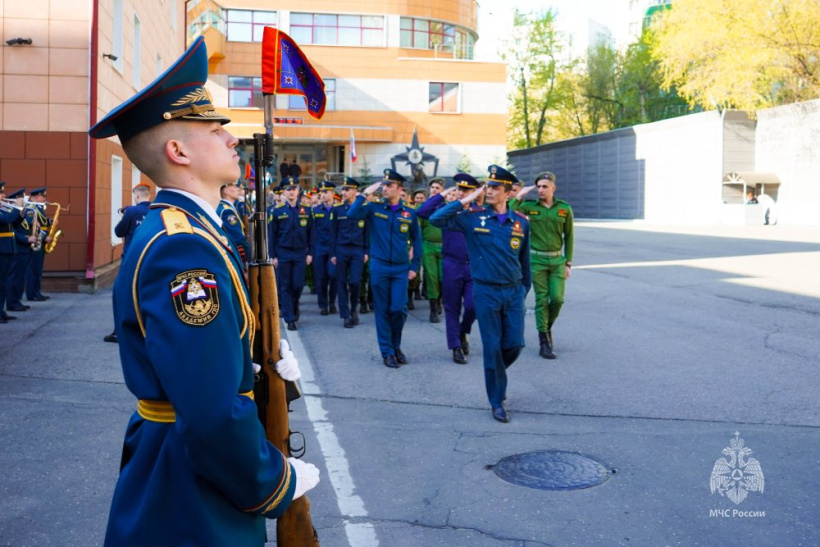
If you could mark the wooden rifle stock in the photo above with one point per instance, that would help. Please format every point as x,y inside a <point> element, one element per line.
<point>295,527</point>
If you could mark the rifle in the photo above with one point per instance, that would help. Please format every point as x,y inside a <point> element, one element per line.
<point>273,394</point>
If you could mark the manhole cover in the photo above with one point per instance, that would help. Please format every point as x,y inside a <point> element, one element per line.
<point>551,470</point>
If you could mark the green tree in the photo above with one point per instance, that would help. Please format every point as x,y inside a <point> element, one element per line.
<point>740,54</point>
<point>365,174</point>
<point>600,86</point>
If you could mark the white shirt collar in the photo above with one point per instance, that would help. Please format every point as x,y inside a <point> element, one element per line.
<point>204,205</point>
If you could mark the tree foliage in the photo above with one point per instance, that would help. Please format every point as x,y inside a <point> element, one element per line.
<point>740,53</point>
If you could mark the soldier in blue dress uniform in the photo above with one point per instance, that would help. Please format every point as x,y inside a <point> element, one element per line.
<point>232,219</point>
<point>25,237</point>
<point>392,225</point>
<point>11,214</point>
<point>498,243</point>
<point>456,280</point>
<point>34,273</point>
<point>323,269</point>
<point>349,252</point>
<point>196,467</point>
<point>290,235</point>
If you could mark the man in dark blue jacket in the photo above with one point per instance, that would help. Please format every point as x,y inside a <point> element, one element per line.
<point>11,214</point>
<point>349,252</point>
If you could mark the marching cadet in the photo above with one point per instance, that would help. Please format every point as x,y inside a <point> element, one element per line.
<point>431,257</point>
<point>132,217</point>
<point>456,279</point>
<point>392,222</point>
<point>323,269</point>
<point>290,234</point>
<point>232,220</point>
<point>349,253</point>
<point>25,235</point>
<point>196,466</point>
<point>34,273</point>
<point>413,287</point>
<point>498,243</point>
<point>551,254</point>
<point>11,214</point>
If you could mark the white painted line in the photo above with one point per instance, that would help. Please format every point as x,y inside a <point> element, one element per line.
<point>359,534</point>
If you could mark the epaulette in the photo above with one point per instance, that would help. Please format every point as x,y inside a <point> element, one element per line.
<point>561,201</point>
<point>522,215</point>
<point>280,205</point>
<point>176,222</point>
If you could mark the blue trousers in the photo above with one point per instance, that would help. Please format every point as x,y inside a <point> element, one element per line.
<point>389,285</point>
<point>34,275</point>
<point>457,288</point>
<point>349,266</point>
<point>291,280</point>
<point>324,273</point>
<point>17,279</point>
<point>500,314</point>
<point>5,267</point>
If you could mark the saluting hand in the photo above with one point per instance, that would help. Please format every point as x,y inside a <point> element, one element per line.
<point>472,196</point>
<point>524,191</point>
<point>446,193</point>
<point>372,188</point>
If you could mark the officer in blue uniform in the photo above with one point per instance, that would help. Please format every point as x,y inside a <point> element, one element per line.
<point>349,252</point>
<point>498,243</point>
<point>196,466</point>
<point>457,282</point>
<point>34,273</point>
<point>290,236</point>
<point>232,219</point>
<point>324,270</point>
<point>11,214</point>
<point>392,224</point>
<point>25,237</point>
<point>132,217</point>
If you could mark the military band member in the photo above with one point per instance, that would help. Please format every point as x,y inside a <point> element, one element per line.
<point>323,268</point>
<point>457,282</point>
<point>551,254</point>
<point>34,273</point>
<point>499,249</point>
<point>25,236</point>
<point>11,214</point>
<point>349,253</point>
<point>392,223</point>
<point>290,234</point>
<point>196,466</point>
<point>232,220</point>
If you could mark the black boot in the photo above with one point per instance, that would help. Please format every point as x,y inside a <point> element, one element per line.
<point>354,317</point>
<point>458,356</point>
<point>417,294</point>
<point>410,304</point>
<point>433,312</point>
<point>546,347</point>
<point>363,306</point>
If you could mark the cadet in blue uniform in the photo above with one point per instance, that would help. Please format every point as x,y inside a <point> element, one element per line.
<point>25,237</point>
<point>498,242</point>
<point>34,273</point>
<point>232,220</point>
<point>392,224</point>
<point>290,236</point>
<point>456,280</point>
<point>323,269</point>
<point>349,252</point>
<point>11,214</point>
<point>132,217</point>
<point>196,466</point>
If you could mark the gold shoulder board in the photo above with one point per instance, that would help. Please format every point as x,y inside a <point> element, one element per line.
<point>176,222</point>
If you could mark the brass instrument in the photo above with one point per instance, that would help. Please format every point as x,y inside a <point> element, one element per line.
<point>53,232</point>
<point>35,231</point>
<point>12,203</point>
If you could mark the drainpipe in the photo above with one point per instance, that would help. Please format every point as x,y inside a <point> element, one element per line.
<point>91,209</point>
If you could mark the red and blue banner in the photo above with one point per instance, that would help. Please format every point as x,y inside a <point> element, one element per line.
<point>287,71</point>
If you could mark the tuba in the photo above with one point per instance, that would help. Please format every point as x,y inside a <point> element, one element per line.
<point>53,232</point>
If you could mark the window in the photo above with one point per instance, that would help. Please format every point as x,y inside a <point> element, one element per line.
<point>136,76</point>
<point>342,30</point>
<point>443,97</point>
<point>116,45</point>
<point>244,92</point>
<point>246,25</point>
<point>424,34</point>
<point>116,195</point>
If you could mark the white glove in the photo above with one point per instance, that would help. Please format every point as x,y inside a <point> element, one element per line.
<point>256,368</point>
<point>288,366</point>
<point>307,476</point>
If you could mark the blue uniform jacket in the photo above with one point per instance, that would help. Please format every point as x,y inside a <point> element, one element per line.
<point>290,231</point>
<point>232,225</point>
<point>499,251</point>
<point>390,231</point>
<point>9,217</point>
<point>322,229</point>
<point>22,231</point>
<point>131,219</point>
<point>453,243</point>
<point>348,232</point>
<point>185,326</point>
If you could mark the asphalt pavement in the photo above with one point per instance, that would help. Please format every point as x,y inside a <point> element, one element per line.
<point>673,344</point>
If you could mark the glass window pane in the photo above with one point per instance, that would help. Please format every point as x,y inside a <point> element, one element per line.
<point>350,37</point>
<point>330,85</point>
<point>436,27</point>
<point>421,24</point>
<point>326,20</point>
<point>325,35</point>
<point>377,22</point>
<point>239,32</point>
<point>268,17</point>
<point>434,94</point>
<point>296,102</point>
<point>372,37</point>
<point>239,15</point>
<point>350,21</point>
<point>257,83</point>
<point>450,99</point>
<point>449,30</point>
<point>420,39</point>
<point>406,23</point>
<point>239,98</point>
<point>302,35</point>
<point>406,38</point>
<point>258,31</point>
<point>239,81</point>
<point>301,18</point>
<point>331,101</point>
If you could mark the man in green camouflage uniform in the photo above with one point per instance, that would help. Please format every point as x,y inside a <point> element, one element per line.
<point>431,258</point>
<point>551,246</point>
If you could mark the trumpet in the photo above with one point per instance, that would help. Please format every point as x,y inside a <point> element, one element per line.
<point>14,203</point>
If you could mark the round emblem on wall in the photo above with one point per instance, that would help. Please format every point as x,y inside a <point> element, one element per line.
<point>414,155</point>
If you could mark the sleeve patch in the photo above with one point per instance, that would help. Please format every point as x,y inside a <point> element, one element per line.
<point>195,297</point>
